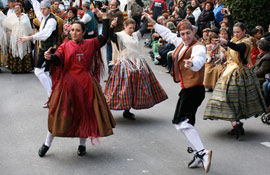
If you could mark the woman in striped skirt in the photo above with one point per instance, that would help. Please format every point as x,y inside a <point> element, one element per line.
<point>237,93</point>
<point>131,83</point>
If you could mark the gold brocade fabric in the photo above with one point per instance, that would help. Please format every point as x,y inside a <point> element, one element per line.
<point>233,59</point>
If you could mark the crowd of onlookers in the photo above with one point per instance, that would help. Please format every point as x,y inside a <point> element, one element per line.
<point>211,19</point>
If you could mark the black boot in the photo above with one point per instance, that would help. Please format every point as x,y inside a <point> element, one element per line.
<point>239,129</point>
<point>232,132</point>
<point>43,150</point>
<point>128,115</point>
<point>81,150</point>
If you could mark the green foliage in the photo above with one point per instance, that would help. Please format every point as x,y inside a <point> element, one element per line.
<point>251,12</point>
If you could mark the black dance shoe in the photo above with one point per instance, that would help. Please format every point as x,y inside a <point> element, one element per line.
<point>43,150</point>
<point>81,150</point>
<point>129,115</point>
<point>239,130</point>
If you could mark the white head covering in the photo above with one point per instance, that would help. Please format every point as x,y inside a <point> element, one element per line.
<point>45,3</point>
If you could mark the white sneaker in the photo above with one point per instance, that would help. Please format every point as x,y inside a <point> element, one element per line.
<point>194,162</point>
<point>206,160</point>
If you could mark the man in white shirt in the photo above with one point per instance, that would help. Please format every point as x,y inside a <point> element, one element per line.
<point>10,9</point>
<point>47,36</point>
<point>89,20</point>
<point>188,68</point>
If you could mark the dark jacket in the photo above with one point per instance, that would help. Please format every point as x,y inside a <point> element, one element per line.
<point>120,19</point>
<point>204,20</point>
<point>191,19</point>
<point>262,65</point>
<point>5,10</point>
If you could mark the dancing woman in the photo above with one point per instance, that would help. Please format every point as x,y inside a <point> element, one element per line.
<point>237,93</point>
<point>77,104</point>
<point>131,83</point>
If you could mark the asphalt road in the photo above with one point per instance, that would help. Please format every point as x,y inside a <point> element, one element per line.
<point>150,145</point>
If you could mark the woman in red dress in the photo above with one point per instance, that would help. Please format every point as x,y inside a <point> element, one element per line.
<point>77,105</point>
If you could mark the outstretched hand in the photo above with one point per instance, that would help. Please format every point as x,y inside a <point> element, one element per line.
<point>25,38</point>
<point>48,54</point>
<point>148,17</point>
<point>188,63</point>
<point>221,41</point>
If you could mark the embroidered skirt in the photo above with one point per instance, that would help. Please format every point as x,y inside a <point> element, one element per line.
<point>132,84</point>
<point>239,98</point>
<point>18,65</point>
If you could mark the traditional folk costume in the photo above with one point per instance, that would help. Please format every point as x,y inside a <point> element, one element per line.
<point>237,93</point>
<point>47,36</point>
<point>192,92</point>
<point>213,68</point>
<point>77,104</point>
<point>20,54</point>
<point>3,41</point>
<point>131,82</point>
<point>67,27</point>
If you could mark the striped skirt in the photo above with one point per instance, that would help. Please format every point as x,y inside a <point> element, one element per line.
<point>132,84</point>
<point>239,98</point>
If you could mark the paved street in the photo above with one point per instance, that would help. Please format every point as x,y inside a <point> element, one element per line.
<point>148,146</point>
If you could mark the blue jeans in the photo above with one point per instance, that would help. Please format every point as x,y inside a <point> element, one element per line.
<point>266,92</point>
<point>266,88</point>
<point>109,55</point>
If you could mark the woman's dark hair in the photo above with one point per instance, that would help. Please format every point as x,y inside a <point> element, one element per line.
<point>185,3</point>
<point>264,45</point>
<point>190,8</point>
<point>240,25</point>
<point>129,21</point>
<point>197,3</point>
<point>73,10</point>
<point>211,4</point>
<point>254,31</point>
<point>81,24</point>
